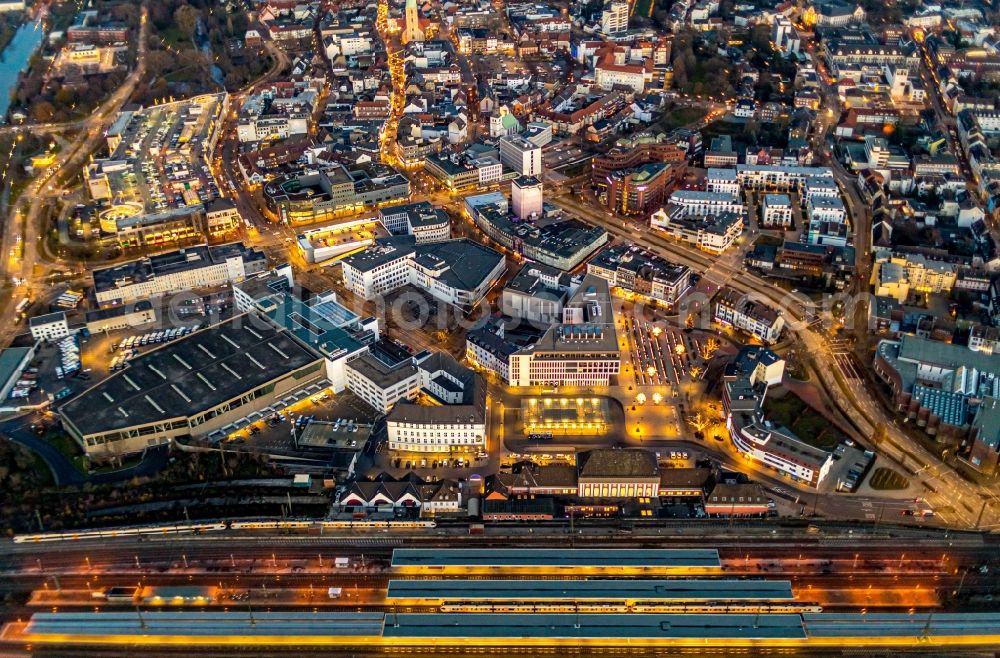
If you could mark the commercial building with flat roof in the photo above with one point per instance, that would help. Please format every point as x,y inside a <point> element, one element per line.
<point>200,266</point>
<point>580,351</point>
<point>456,424</point>
<point>537,294</point>
<point>522,156</point>
<point>49,326</point>
<point>192,387</point>
<point>458,272</point>
<point>120,317</point>
<point>419,219</point>
<point>745,385</point>
<point>382,383</point>
<point>947,390</point>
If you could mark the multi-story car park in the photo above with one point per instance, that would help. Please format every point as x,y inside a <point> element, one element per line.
<point>193,387</point>
<point>325,242</point>
<point>562,243</point>
<point>154,185</point>
<point>314,195</point>
<point>192,267</point>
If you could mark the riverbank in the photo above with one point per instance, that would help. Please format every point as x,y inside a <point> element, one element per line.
<point>15,58</point>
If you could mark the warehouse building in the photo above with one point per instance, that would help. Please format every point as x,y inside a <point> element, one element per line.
<point>192,387</point>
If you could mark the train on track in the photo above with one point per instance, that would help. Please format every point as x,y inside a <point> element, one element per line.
<point>221,526</point>
<point>621,607</point>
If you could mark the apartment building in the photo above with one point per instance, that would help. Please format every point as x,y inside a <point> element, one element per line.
<point>755,317</point>
<point>641,273</point>
<point>714,233</point>
<point>776,211</point>
<point>695,202</point>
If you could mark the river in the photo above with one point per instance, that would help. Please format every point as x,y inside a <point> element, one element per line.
<point>14,59</point>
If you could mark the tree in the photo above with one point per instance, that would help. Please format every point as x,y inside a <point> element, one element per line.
<point>42,111</point>
<point>186,19</point>
<point>760,37</point>
<point>680,75</point>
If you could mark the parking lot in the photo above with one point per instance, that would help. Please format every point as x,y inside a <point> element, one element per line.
<point>563,154</point>
<point>166,148</point>
<point>275,434</point>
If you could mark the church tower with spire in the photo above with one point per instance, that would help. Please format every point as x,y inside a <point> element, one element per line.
<point>412,31</point>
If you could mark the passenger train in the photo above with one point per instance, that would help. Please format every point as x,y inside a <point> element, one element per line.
<point>621,607</point>
<point>199,528</point>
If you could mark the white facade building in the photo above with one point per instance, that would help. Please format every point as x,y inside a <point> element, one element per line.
<point>777,177</point>
<point>614,18</point>
<point>49,327</point>
<point>280,126</point>
<point>776,210</point>
<point>581,351</point>
<point>184,269</point>
<point>695,202</point>
<point>458,272</point>
<point>826,209</point>
<point>379,384</point>
<point>722,181</point>
<point>522,156</point>
<point>457,424</point>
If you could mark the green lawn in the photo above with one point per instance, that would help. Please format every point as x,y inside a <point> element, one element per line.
<point>643,8</point>
<point>69,448</point>
<point>886,479</point>
<point>807,424</point>
<point>768,240</point>
<point>173,36</point>
<point>681,116</point>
